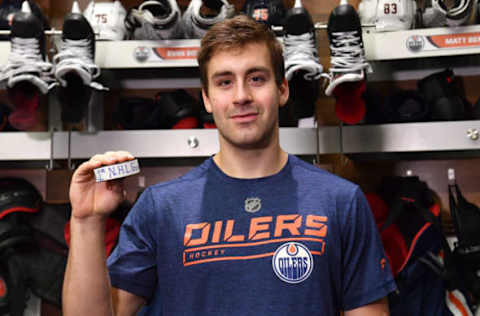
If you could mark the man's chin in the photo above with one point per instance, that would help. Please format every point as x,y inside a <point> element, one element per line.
<point>248,141</point>
<point>251,145</point>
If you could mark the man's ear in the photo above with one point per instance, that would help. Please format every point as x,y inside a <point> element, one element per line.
<point>284,92</point>
<point>206,101</point>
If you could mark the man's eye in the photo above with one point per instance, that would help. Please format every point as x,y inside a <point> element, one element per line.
<point>223,83</point>
<point>257,79</point>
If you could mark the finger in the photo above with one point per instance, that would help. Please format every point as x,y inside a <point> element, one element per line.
<point>112,157</point>
<point>123,155</point>
<point>116,185</point>
<point>102,158</point>
<point>108,158</point>
<point>96,161</point>
<point>86,168</point>
<point>109,153</point>
<point>120,156</point>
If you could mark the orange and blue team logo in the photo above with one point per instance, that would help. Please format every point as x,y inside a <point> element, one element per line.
<point>292,262</point>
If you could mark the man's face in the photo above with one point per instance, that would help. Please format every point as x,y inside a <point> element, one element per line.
<point>243,95</point>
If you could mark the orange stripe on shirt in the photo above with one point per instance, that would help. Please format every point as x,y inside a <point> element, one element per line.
<point>255,243</point>
<point>262,255</point>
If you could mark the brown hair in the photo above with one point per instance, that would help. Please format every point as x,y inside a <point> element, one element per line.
<point>236,33</point>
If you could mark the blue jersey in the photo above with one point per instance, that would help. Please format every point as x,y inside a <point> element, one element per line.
<point>301,241</point>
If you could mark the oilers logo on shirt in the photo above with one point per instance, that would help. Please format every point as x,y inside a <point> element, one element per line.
<point>292,262</point>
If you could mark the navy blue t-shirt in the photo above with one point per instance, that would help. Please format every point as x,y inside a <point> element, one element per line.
<point>301,241</point>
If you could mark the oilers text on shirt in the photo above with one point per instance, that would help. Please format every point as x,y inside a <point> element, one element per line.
<point>258,238</point>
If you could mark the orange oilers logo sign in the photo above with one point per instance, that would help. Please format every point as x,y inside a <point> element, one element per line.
<point>292,262</point>
<point>259,237</point>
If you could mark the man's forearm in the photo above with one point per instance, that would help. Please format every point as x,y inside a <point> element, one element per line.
<point>86,288</point>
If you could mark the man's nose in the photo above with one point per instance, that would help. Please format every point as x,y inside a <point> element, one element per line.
<point>243,94</point>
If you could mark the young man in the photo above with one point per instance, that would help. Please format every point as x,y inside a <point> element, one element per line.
<point>251,231</point>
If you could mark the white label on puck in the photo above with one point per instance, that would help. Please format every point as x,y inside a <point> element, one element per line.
<point>116,171</point>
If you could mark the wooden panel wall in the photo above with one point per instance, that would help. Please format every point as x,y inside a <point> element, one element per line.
<point>54,185</point>
<point>319,10</point>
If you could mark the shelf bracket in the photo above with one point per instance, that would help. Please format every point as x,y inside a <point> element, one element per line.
<point>340,138</point>
<point>71,165</point>
<point>49,167</point>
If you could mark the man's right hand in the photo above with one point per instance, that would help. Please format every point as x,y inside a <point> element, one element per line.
<point>96,199</point>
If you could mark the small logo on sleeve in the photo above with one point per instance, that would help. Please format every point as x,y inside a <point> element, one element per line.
<point>292,262</point>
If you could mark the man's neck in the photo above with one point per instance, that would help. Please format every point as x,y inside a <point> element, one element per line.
<point>251,163</point>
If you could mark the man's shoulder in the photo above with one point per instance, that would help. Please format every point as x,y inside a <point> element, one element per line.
<point>307,171</point>
<point>191,177</point>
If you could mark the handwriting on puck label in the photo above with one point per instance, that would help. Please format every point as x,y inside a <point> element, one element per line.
<point>117,171</point>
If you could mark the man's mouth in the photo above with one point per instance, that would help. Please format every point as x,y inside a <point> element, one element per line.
<point>244,117</point>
